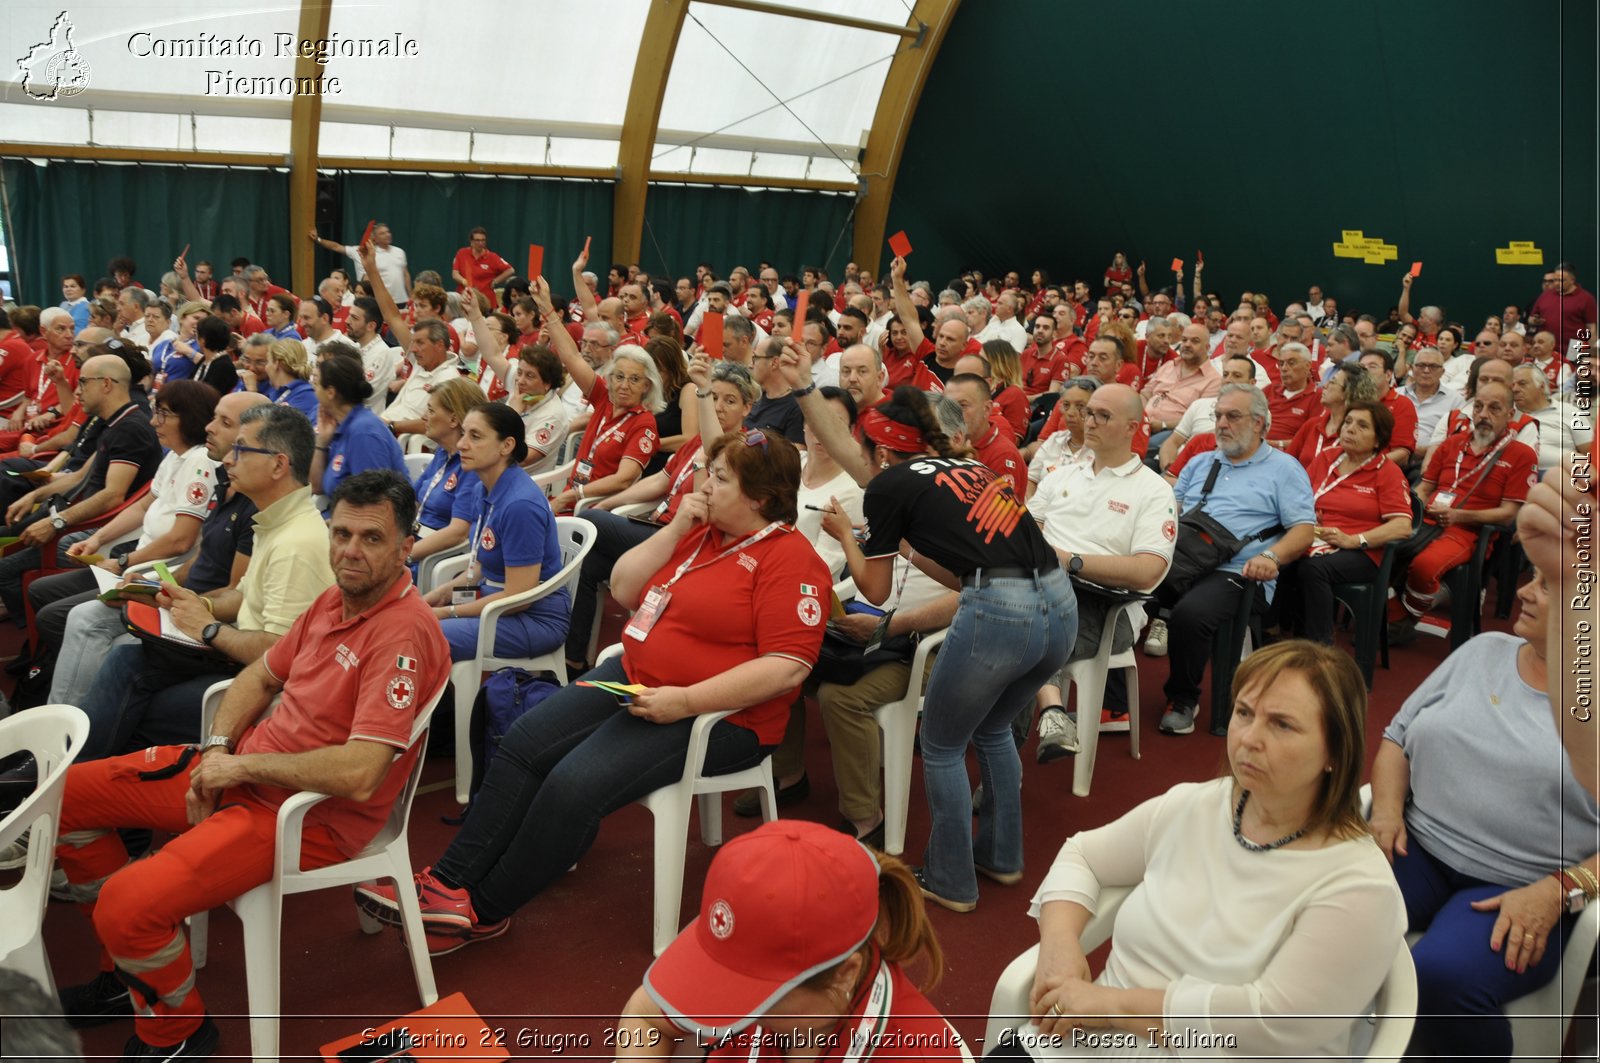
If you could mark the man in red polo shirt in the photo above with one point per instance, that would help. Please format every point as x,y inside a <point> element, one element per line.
<point>1471,479</point>
<point>1403,443</point>
<point>635,312</point>
<point>1295,397</point>
<point>1042,362</point>
<point>989,434</point>
<point>354,670</point>
<point>476,266</point>
<point>909,368</point>
<point>261,289</point>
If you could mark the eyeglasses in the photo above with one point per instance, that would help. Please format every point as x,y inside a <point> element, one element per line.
<point>1232,416</point>
<point>1100,416</point>
<point>1427,365</point>
<point>90,379</point>
<point>240,448</point>
<point>632,381</point>
<point>159,414</point>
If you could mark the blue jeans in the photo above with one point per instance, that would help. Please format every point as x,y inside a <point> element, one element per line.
<point>533,632</point>
<point>132,705</point>
<point>1462,986</point>
<point>562,768</point>
<point>1008,639</point>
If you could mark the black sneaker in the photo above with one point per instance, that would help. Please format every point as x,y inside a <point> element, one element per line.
<point>101,1001</point>
<point>201,1044</point>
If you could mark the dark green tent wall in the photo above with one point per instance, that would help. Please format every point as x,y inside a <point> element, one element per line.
<point>74,217</point>
<point>689,224</point>
<point>431,215</point>
<point>1256,131</point>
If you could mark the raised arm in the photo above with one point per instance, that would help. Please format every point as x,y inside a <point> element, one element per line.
<point>591,309</point>
<point>484,337</point>
<point>392,314</point>
<point>904,308</point>
<point>795,364</point>
<point>180,266</point>
<point>1404,305</point>
<point>582,372</point>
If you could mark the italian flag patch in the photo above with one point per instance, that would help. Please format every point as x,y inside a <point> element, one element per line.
<point>808,589</point>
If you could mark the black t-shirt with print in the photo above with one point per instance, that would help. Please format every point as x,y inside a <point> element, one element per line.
<point>955,511</point>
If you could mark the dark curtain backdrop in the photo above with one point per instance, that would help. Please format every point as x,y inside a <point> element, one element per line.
<point>1446,128</point>
<point>74,217</point>
<point>431,215</point>
<point>689,224</point>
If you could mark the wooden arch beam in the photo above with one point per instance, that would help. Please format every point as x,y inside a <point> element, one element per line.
<point>639,123</point>
<point>880,162</point>
<point>305,125</point>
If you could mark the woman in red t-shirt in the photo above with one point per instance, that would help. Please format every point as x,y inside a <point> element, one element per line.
<point>728,618</point>
<point>1363,503</point>
<point>1348,384</point>
<point>621,437</point>
<point>1118,273</point>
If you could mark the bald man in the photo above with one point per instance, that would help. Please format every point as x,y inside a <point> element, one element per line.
<point>1112,522</point>
<point>126,454</point>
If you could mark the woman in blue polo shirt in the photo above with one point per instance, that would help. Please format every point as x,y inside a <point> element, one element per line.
<point>514,546</point>
<point>288,365</point>
<point>447,500</point>
<point>350,437</point>
<point>280,311</point>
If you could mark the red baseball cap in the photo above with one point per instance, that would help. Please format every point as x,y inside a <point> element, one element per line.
<point>782,903</point>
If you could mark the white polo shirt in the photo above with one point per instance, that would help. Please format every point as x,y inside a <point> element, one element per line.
<point>1055,452</point>
<point>412,402</point>
<point>391,263</point>
<point>1200,417</point>
<point>1122,511</point>
<point>380,362</point>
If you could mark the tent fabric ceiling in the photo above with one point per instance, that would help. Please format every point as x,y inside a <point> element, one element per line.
<point>540,83</point>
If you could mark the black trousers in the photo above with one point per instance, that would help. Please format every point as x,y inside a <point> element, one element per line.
<point>1305,590</point>
<point>1193,624</point>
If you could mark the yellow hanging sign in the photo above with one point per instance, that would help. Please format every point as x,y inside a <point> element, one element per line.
<point>1519,253</point>
<point>1369,249</point>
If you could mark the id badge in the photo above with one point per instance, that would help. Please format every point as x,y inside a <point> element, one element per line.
<point>1444,499</point>
<point>879,634</point>
<point>650,610</point>
<point>581,472</point>
<point>463,595</point>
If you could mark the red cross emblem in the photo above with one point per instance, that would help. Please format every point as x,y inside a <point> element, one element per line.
<point>401,692</point>
<point>720,919</point>
<point>197,493</point>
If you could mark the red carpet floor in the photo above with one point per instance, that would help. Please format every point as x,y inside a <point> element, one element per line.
<point>573,955</point>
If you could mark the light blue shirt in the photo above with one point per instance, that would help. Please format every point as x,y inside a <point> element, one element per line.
<point>1429,410</point>
<point>1268,488</point>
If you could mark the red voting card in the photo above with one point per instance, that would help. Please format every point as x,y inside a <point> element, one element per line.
<point>184,254</point>
<point>1199,258</point>
<point>800,306</point>
<point>535,262</point>
<point>710,338</point>
<point>1416,269</point>
<point>899,244</point>
<point>1177,264</point>
<point>586,240</point>
<point>366,237</point>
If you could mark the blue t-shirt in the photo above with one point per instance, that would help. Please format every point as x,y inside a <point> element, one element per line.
<point>443,488</point>
<point>361,442</point>
<point>288,332</point>
<point>79,309</point>
<point>301,395</point>
<point>169,363</point>
<point>515,528</point>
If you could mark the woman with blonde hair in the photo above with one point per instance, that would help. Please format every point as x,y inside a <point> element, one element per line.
<point>1275,970</point>
<point>288,371</point>
<point>448,499</point>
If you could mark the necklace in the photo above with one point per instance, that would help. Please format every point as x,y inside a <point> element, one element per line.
<point>1250,846</point>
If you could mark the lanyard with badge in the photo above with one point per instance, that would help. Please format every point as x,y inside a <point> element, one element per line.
<point>688,470</point>
<point>1329,483</point>
<point>427,492</point>
<point>463,595</point>
<point>1448,499</point>
<point>585,467</point>
<point>658,597</point>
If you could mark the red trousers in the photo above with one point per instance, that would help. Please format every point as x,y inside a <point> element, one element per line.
<point>1450,549</point>
<point>138,908</point>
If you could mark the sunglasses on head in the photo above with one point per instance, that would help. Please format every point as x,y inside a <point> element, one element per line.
<point>755,437</point>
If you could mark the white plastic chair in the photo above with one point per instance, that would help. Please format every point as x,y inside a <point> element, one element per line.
<point>416,463</point>
<point>1089,676</point>
<point>898,722</point>
<point>569,448</point>
<point>554,482</point>
<point>1541,1019</point>
<point>1385,1033</point>
<point>53,734</point>
<point>670,807</point>
<point>260,910</point>
<point>415,443</point>
<point>428,567</point>
<point>577,539</point>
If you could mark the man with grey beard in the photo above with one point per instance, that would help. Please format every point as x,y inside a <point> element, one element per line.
<point>1264,499</point>
<point>1470,480</point>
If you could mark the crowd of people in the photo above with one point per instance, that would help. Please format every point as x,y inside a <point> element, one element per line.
<point>790,481</point>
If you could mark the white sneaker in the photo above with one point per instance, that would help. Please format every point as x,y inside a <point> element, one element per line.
<point>1155,643</point>
<point>14,855</point>
<point>1058,736</point>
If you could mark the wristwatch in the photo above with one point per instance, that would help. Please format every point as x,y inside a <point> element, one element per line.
<point>1270,556</point>
<point>58,522</point>
<point>1362,539</point>
<point>1075,565</point>
<point>210,631</point>
<point>1574,901</point>
<point>217,740</point>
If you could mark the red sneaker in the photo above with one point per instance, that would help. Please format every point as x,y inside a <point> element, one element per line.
<point>1113,722</point>
<point>444,940</point>
<point>443,908</point>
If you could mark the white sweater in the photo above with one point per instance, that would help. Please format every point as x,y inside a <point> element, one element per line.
<point>1272,950</point>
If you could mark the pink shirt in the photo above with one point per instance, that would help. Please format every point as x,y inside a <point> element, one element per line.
<point>1173,387</point>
